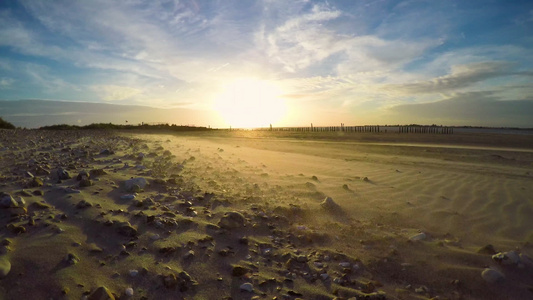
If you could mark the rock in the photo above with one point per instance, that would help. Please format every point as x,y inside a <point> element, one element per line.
<point>26,193</point>
<point>507,258</point>
<point>16,229</point>
<point>5,267</point>
<point>93,248</point>
<point>20,201</point>
<point>134,273</point>
<point>128,197</point>
<point>302,258</point>
<point>36,182</point>
<point>238,271</point>
<point>128,292</point>
<point>101,293</point>
<point>329,204</point>
<point>232,220</point>
<point>85,182</point>
<point>83,175</point>
<point>247,287</point>
<point>185,281</point>
<point>72,191</point>
<point>72,259</point>
<point>189,255</point>
<point>418,237</point>
<point>127,230</point>
<point>40,205</point>
<point>492,276</point>
<point>345,265</point>
<point>170,281</point>
<point>97,172</point>
<point>40,171</point>
<point>38,193</point>
<point>17,211</point>
<point>62,174</point>
<point>7,201</point>
<point>135,184</point>
<point>487,249</point>
<point>106,152</point>
<point>83,204</point>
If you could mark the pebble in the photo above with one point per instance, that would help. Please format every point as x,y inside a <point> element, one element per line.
<point>5,267</point>
<point>487,249</point>
<point>345,264</point>
<point>492,276</point>
<point>129,292</point>
<point>247,287</point>
<point>128,197</point>
<point>507,258</point>
<point>418,237</point>
<point>72,259</point>
<point>71,191</point>
<point>134,273</point>
<point>232,220</point>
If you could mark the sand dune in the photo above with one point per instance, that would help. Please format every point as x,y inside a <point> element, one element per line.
<point>241,215</point>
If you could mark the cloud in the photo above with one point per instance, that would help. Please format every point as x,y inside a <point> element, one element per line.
<point>472,108</point>
<point>461,76</point>
<point>115,92</point>
<point>5,83</point>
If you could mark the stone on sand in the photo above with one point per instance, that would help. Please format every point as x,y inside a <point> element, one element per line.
<point>487,249</point>
<point>329,204</point>
<point>36,182</point>
<point>126,229</point>
<point>492,276</point>
<point>247,287</point>
<point>62,174</point>
<point>507,258</point>
<point>232,220</point>
<point>101,293</point>
<point>418,237</point>
<point>133,185</point>
<point>83,175</point>
<point>5,267</point>
<point>7,201</point>
<point>238,271</point>
<point>85,182</point>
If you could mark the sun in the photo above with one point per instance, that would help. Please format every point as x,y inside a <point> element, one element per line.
<point>250,103</point>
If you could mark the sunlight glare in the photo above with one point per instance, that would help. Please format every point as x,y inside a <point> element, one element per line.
<point>250,103</point>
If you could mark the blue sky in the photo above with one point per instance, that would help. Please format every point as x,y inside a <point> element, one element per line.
<point>360,62</point>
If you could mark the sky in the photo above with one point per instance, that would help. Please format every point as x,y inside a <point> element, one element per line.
<point>287,63</point>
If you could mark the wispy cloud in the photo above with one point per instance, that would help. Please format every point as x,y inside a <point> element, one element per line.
<point>6,83</point>
<point>461,76</point>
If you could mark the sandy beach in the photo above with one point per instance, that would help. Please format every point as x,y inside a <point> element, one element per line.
<point>265,215</point>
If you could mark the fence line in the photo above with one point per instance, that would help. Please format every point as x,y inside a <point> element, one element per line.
<point>366,128</point>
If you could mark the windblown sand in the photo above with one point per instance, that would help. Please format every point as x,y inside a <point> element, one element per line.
<point>241,215</point>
